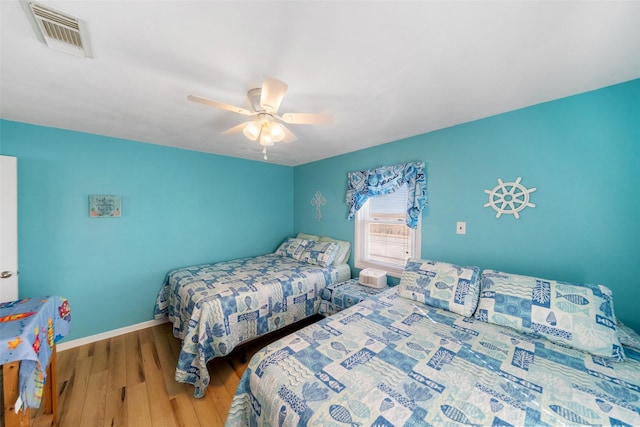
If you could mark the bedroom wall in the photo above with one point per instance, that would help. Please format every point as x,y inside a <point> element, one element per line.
<point>582,153</point>
<point>178,208</point>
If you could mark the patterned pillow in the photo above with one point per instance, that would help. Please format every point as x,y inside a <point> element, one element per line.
<point>308,236</point>
<point>343,252</point>
<point>292,247</point>
<point>628,336</point>
<point>578,315</point>
<point>320,253</point>
<point>441,285</point>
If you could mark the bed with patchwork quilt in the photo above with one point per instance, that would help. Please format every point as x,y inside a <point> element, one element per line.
<point>216,307</point>
<point>451,346</point>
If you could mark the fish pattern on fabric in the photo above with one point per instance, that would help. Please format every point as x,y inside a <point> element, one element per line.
<point>402,362</point>
<point>341,295</point>
<point>215,307</point>
<point>580,315</point>
<point>441,284</point>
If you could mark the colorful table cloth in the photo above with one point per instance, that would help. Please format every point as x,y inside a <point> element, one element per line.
<point>29,328</point>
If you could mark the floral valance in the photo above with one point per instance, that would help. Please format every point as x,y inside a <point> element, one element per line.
<point>385,180</point>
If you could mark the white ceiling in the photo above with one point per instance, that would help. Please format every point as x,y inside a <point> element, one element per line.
<point>385,69</point>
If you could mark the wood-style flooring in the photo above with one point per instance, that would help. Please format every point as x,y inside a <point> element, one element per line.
<point>128,381</point>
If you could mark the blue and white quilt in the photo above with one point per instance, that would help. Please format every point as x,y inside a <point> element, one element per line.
<point>391,361</point>
<point>215,307</point>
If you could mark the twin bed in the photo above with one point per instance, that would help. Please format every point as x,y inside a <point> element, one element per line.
<point>216,307</point>
<point>447,346</point>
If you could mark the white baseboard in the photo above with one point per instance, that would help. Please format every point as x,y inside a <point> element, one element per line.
<point>109,334</point>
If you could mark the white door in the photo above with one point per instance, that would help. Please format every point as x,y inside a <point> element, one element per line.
<point>8,229</point>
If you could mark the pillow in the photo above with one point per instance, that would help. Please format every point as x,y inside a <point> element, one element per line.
<point>343,252</point>
<point>578,315</point>
<point>441,285</point>
<point>320,253</point>
<point>308,236</point>
<point>292,247</point>
<point>628,336</point>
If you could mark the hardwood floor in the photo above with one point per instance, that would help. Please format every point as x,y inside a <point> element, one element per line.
<point>128,381</point>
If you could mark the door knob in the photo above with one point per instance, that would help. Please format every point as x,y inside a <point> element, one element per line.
<point>5,275</point>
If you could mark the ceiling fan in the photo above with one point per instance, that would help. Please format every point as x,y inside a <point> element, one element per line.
<point>266,126</point>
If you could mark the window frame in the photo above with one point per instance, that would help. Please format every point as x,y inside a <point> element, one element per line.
<point>362,220</point>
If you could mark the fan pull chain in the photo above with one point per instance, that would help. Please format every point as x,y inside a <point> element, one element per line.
<point>264,151</point>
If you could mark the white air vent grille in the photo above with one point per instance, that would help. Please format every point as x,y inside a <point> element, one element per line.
<point>57,26</point>
<point>60,31</point>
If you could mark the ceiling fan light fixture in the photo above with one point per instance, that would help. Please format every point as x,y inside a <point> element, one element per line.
<point>277,133</point>
<point>266,139</point>
<point>252,130</point>
<point>265,125</point>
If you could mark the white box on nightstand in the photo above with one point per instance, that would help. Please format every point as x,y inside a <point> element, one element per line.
<point>373,278</point>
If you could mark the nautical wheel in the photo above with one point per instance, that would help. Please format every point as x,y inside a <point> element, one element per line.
<point>509,198</point>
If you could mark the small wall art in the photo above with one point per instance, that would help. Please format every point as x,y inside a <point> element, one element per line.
<point>105,206</point>
<point>318,201</point>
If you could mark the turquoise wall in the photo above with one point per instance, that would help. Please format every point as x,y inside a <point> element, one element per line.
<point>178,208</point>
<point>582,153</point>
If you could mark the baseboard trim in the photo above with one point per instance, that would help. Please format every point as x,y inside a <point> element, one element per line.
<point>109,334</point>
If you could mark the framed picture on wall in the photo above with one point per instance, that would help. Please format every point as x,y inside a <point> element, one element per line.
<point>101,206</point>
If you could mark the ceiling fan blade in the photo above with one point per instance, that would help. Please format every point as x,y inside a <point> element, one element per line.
<point>307,118</point>
<point>272,93</point>
<point>217,104</point>
<point>235,129</point>
<point>288,135</point>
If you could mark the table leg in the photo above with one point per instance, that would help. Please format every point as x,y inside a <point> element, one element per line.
<point>51,389</point>
<point>11,385</point>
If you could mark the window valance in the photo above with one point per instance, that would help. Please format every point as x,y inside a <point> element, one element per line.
<point>385,180</point>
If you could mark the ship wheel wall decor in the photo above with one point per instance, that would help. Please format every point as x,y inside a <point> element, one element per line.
<point>509,198</point>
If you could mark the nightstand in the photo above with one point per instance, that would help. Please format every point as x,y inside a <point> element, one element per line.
<point>338,296</point>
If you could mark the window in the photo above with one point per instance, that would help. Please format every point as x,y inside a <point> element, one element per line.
<point>382,238</point>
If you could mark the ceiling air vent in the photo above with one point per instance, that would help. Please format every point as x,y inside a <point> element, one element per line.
<point>58,30</point>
